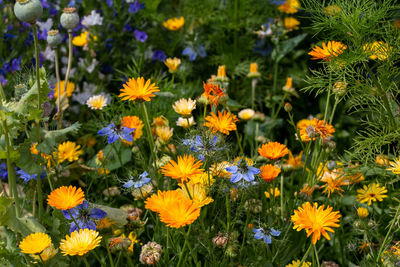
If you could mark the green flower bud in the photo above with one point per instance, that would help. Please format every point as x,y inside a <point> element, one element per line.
<point>69,18</point>
<point>53,38</point>
<point>28,10</point>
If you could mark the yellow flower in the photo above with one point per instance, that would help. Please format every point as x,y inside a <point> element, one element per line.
<point>97,102</point>
<point>311,129</point>
<point>395,166</point>
<point>362,212</point>
<point>184,169</point>
<point>290,6</point>
<point>223,123</point>
<point>197,192</point>
<point>203,179</point>
<point>172,64</point>
<point>35,243</point>
<point>68,151</point>
<point>133,239</point>
<point>174,24</point>
<point>135,123</point>
<point>273,192</point>
<point>80,243</point>
<point>185,122</point>
<point>269,172</point>
<point>47,254</point>
<point>65,198</point>
<point>253,71</point>
<point>138,90</point>
<point>370,193</point>
<point>273,150</point>
<point>81,40</point>
<point>293,162</point>
<point>221,74</point>
<point>382,160</point>
<point>70,89</point>
<point>291,23</point>
<point>246,114</point>
<point>296,263</point>
<point>160,121</point>
<point>315,220</point>
<point>164,133</point>
<point>377,50</point>
<point>327,51</point>
<point>33,149</point>
<point>174,208</point>
<point>331,185</point>
<point>184,107</point>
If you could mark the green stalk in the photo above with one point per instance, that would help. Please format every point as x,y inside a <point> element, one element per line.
<point>11,171</point>
<point>148,130</point>
<point>387,235</point>
<point>109,256</point>
<point>58,84</point>
<point>187,190</point>
<point>186,235</point>
<point>274,84</point>
<point>316,255</point>
<point>85,261</point>
<point>73,219</point>
<point>228,212</point>
<point>184,247</point>
<point>329,97</point>
<point>37,122</point>
<point>60,115</point>
<point>253,93</point>
<point>306,254</point>
<point>282,206</point>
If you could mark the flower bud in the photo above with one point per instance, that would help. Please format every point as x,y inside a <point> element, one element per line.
<point>288,107</point>
<point>20,90</point>
<point>151,253</point>
<point>253,205</point>
<point>28,10</point>
<point>69,18</point>
<point>134,214</point>
<point>339,88</point>
<point>112,191</point>
<point>331,165</point>
<point>362,212</point>
<point>53,38</point>
<point>220,240</point>
<point>119,243</point>
<point>259,116</point>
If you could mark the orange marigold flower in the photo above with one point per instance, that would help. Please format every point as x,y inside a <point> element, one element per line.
<point>223,123</point>
<point>184,169</point>
<point>293,162</point>
<point>315,220</point>
<point>269,172</point>
<point>311,129</point>
<point>327,51</point>
<point>273,150</point>
<point>160,121</point>
<point>68,151</point>
<point>308,190</point>
<point>331,185</point>
<point>371,193</point>
<point>213,93</point>
<point>174,208</point>
<point>65,198</point>
<point>33,149</point>
<point>135,123</point>
<point>138,90</point>
<point>290,6</point>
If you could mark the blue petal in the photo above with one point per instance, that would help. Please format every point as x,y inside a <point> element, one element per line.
<point>97,214</point>
<point>128,184</point>
<point>248,176</point>
<point>236,177</point>
<point>143,175</point>
<point>112,138</point>
<point>274,232</point>
<point>232,169</point>
<point>267,239</point>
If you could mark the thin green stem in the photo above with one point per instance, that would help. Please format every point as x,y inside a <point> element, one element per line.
<point>85,261</point>
<point>228,212</point>
<point>387,235</point>
<point>279,108</point>
<point>334,109</point>
<point>186,235</point>
<point>69,66</point>
<point>306,254</point>
<point>282,204</point>
<point>187,190</point>
<point>253,93</point>
<point>110,256</point>
<point>73,219</point>
<point>56,60</point>
<point>239,142</point>
<point>316,255</point>
<point>148,130</point>
<point>183,249</point>
<point>36,44</point>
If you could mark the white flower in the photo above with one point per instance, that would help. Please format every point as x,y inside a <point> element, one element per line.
<point>49,54</point>
<point>97,102</point>
<point>45,25</point>
<point>88,91</point>
<point>183,122</point>
<point>92,19</point>
<point>84,64</point>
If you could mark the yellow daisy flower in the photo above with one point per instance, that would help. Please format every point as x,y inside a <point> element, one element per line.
<point>80,243</point>
<point>371,193</point>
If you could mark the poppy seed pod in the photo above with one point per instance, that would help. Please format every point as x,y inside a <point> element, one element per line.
<point>69,18</point>
<point>28,10</point>
<point>53,38</point>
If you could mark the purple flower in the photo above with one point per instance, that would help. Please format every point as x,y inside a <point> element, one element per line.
<point>135,7</point>
<point>83,216</point>
<point>113,134</point>
<point>3,81</point>
<point>27,177</point>
<point>110,3</point>
<point>242,171</point>
<point>141,36</point>
<point>159,55</point>
<point>193,52</point>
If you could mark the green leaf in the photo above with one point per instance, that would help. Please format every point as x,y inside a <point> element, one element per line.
<point>14,155</point>
<point>286,47</point>
<point>118,216</point>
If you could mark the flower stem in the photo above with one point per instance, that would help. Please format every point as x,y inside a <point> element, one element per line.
<point>306,254</point>
<point>85,261</point>
<point>73,219</point>
<point>109,256</point>
<point>253,93</point>
<point>282,206</point>
<point>60,115</point>
<point>387,235</point>
<point>184,247</point>
<point>148,129</point>
<point>58,85</point>
<point>316,255</point>
<point>187,190</point>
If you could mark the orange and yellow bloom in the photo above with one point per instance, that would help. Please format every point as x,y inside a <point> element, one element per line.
<point>68,151</point>
<point>273,150</point>
<point>65,198</point>
<point>269,172</point>
<point>80,243</point>
<point>138,90</point>
<point>174,24</point>
<point>371,193</point>
<point>328,50</point>
<point>184,169</point>
<point>223,123</point>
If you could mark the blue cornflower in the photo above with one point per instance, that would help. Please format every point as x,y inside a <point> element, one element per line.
<point>192,52</point>
<point>159,55</point>
<point>143,179</point>
<point>242,171</point>
<point>265,235</point>
<point>27,177</point>
<point>83,216</point>
<point>141,36</point>
<point>113,134</point>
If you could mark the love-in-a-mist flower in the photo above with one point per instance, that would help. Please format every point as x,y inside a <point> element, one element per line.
<point>143,179</point>
<point>204,145</point>
<point>97,102</point>
<point>133,122</point>
<point>138,90</point>
<point>265,235</point>
<point>242,170</point>
<point>83,216</point>
<point>113,134</point>
<point>65,198</point>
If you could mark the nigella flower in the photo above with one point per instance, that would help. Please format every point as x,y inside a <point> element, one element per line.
<point>143,179</point>
<point>113,134</point>
<point>192,52</point>
<point>159,55</point>
<point>242,171</point>
<point>83,216</point>
<point>202,145</point>
<point>3,171</point>
<point>27,177</point>
<point>265,235</point>
<point>141,36</point>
